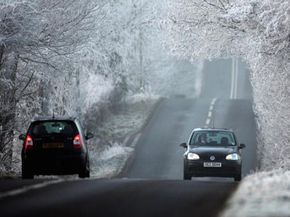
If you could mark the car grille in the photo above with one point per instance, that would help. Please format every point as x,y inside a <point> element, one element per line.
<point>212,157</point>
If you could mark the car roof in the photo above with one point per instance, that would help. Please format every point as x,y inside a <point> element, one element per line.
<point>58,118</point>
<point>212,129</point>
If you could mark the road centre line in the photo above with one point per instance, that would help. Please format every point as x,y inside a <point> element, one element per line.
<point>210,112</point>
<point>234,79</point>
<point>207,121</point>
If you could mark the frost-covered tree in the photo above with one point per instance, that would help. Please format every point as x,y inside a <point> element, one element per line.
<point>33,34</point>
<point>257,31</point>
<point>68,57</point>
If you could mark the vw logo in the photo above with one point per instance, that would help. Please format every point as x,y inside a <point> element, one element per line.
<point>212,158</point>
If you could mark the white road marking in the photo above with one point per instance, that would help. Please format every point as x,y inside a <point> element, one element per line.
<point>136,139</point>
<point>126,140</point>
<point>207,121</point>
<point>210,113</point>
<point>234,79</point>
<point>28,188</point>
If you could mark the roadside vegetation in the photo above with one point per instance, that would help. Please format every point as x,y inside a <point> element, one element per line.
<point>68,58</point>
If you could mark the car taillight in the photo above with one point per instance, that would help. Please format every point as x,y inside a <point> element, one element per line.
<point>28,145</point>
<point>77,142</point>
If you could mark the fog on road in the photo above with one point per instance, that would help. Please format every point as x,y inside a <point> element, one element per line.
<point>158,155</point>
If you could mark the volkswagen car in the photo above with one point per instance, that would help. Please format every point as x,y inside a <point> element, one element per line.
<point>212,153</point>
<point>55,146</point>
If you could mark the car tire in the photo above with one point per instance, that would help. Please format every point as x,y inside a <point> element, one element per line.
<point>26,173</point>
<point>238,178</point>
<point>186,174</point>
<point>85,173</point>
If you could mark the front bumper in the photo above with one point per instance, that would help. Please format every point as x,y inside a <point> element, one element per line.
<point>227,169</point>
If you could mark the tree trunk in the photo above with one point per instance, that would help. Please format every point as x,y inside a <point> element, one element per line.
<point>44,96</point>
<point>78,109</point>
<point>2,49</point>
<point>8,115</point>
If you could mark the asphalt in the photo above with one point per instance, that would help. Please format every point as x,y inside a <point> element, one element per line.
<point>152,183</point>
<point>120,198</point>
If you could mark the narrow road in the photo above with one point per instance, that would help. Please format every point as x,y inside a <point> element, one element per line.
<point>225,82</point>
<point>152,185</point>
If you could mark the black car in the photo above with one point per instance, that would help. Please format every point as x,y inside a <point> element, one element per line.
<point>212,153</point>
<point>55,146</point>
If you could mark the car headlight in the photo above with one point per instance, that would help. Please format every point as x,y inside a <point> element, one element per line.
<point>192,156</point>
<point>234,156</point>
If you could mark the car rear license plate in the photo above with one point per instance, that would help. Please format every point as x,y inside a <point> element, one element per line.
<point>212,164</point>
<point>52,145</point>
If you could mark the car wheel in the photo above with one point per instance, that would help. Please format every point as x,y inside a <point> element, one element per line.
<point>238,178</point>
<point>186,174</point>
<point>85,173</point>
<point>26,173</point>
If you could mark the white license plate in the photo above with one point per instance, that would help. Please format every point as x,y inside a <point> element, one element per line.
<point>212,164</point>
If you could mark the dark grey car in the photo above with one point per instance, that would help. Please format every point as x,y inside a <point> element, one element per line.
<point>212,153</point>
<point>55,146</point>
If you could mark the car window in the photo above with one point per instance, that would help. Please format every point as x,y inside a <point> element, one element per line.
<point>43,128</point>
<point>209,138</point>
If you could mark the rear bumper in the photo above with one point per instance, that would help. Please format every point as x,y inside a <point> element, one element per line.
<point>58,165</point>
<point>228,169</point>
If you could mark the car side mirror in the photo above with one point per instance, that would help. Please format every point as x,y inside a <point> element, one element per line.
<point>22,137</point>
<point>241,146</point>
<point>89,136</point>
<point>183,145</point>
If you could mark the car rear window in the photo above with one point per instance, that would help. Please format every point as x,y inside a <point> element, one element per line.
<point>46,128</point>
<point>221,138</point>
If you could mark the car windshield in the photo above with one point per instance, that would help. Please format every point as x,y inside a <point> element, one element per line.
<point>43,128</point>
<point>212,138</point>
